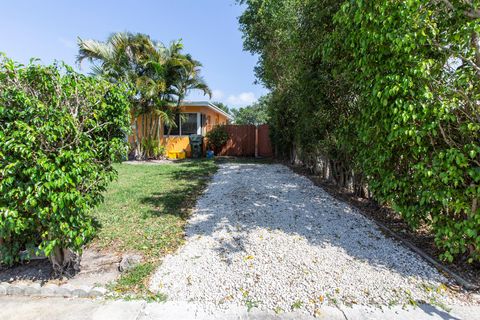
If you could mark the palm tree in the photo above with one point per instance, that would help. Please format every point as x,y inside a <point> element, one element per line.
<point>188,78</point>
<point>117,58</point>
<point>185,76</point>
<point>121,59</point>
<point>161,77</point>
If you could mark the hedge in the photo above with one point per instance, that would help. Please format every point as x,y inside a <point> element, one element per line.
<point>381,97</point>
<point>60,132</point>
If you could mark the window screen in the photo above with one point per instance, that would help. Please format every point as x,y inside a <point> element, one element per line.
<point>189,124</point>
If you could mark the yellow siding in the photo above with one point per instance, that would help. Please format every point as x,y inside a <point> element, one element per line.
<point>177,144</point>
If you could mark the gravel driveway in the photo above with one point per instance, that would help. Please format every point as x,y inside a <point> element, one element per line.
<point>264,236</point>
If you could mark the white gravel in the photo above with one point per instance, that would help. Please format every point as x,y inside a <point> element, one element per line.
<point>264,236</point>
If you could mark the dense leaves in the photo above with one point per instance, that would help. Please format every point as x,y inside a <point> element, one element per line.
<point>60,132</point>
<point>381,97</point>
<point>222,106</point>
<point>217,138</point>
<point>255,114</point>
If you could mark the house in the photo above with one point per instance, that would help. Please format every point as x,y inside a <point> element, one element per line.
<point>198,117</point>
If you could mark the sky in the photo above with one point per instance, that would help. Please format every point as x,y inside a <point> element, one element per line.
<point>48,30</point>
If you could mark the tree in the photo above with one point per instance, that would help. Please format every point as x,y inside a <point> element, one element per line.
<point>186,77</point>
<point>161,77</point>
<point>417,76</point>
<point>255,114</point>
<point>222,106</point>
<point>60,132</point>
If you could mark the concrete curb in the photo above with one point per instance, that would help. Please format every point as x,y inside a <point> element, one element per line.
<point>50,290</point>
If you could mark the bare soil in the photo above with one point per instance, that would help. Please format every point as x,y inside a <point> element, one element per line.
<point>97,269</point>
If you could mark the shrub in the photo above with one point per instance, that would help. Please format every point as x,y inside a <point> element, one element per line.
<point>217,138</point>
<point>60,132</point>
<point>418,124</point>
<point>153,149</point>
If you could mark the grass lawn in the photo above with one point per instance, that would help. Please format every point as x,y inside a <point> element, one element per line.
<point>145,211</point>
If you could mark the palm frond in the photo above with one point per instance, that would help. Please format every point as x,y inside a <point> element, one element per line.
<point>94,50</point>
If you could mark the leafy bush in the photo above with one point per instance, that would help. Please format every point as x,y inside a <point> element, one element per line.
<point>60,132</point>
<point>153,149</point>
<point>382,96</point>
<point>418,126</point>
<point>217,138</point>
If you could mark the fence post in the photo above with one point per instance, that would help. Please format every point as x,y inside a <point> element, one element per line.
<point>256,141</point>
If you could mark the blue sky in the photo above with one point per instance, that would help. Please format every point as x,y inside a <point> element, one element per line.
<point>209,28</point>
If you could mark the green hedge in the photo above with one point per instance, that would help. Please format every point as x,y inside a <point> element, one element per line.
<point>386,95</point>
<point>217,138</point>
<point>60,131</point>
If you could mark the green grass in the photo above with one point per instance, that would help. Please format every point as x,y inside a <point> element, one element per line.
<point>133,284</point>
<point>145,211</point>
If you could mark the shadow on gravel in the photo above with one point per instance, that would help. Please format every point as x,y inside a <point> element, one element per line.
<point>244,201</point>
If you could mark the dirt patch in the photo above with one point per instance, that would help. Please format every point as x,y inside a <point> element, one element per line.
<point>421,238</point>
<point>36,271</point>
<point>97,269</point>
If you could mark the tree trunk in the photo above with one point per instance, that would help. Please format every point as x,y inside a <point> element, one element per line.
<point>134,126</point>
<point>153,128</point>
<point>65,262</point>
<point>137,145</point>
<point>143,126</point>
<point>476,46</point>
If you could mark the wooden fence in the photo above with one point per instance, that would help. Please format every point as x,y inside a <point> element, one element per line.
<point>247,141</point>
<point>264,144</point>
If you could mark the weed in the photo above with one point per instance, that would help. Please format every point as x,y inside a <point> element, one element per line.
<point>297,305</point>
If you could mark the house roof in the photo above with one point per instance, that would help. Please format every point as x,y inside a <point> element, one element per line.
<point>207,104</point>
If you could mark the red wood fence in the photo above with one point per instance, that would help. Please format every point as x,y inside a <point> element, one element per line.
<point>264,143</point>
<point>247,141</point>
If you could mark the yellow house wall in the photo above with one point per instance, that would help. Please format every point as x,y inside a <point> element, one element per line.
<point>182,143</point>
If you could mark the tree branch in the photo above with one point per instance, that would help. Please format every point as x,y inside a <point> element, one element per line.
<point>472,14</point>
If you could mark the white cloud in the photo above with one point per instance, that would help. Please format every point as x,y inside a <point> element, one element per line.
<point>217,95</point>
<point>243,99</point>
<point>68,43</point>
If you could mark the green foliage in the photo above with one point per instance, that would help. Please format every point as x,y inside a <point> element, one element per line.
<point>385,92</point>
<point>60,132</point>
<point>217,138</point>
<point>254,114</point>
<point>153,149</point>
<point>297,305</point>
<point>222,106</point>
<point>161,76</point>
